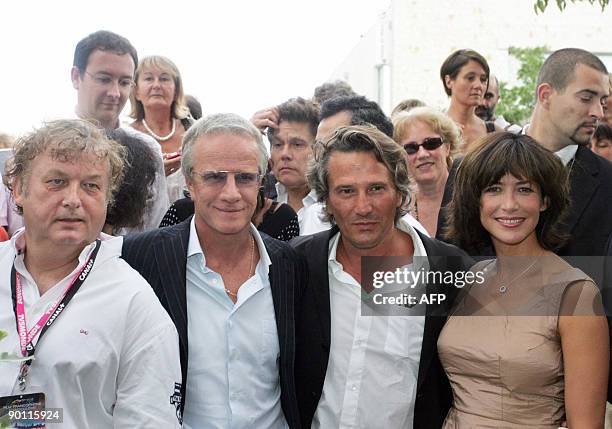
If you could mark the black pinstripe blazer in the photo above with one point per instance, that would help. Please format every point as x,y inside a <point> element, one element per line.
<point>160,256</point>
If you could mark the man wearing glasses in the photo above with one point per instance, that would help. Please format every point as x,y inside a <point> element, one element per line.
<point>103,75</point>
<point>230,290</point>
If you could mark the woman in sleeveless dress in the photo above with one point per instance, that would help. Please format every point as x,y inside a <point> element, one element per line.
<point>465,76</point>
<point>527,343</point>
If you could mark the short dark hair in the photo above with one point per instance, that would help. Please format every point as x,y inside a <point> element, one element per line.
<point>359,138</point>
<point>135,191</point>
<point>299,110</point>
<point>453,64</point>
<point>603,131</point>
<point>362,110</point>
<point>485,164</point>
<point>329,90</point>
<point>558,69</point>
<point>195,108</point>
<point>104,41</point>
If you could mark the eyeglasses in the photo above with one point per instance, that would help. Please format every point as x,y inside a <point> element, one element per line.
<point>217,179</point>
<point>105,80</point>
<point>430,143</point>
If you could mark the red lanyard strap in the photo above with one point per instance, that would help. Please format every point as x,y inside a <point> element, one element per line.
<point>26,338</point>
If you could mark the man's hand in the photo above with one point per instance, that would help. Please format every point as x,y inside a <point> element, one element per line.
<point>172,164</point>
<point>266,118</point>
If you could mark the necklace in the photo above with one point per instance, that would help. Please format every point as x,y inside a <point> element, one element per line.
<point>504,288</point>
<point>155,136</point>
<point>235,294</point>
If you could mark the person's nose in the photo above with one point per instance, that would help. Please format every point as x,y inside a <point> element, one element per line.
<point>72,197</point>
<point>363,205</point>
<point>113,90</point>
<point>509,201</point>
<point>230,191</point>
<point>597,110</point>
<point>286,152</point>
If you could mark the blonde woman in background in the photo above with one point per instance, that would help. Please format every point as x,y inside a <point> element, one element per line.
<point>159,109</point>
<point>430,139</point>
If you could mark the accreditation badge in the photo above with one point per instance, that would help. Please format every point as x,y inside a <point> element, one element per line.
<point>24,411</point>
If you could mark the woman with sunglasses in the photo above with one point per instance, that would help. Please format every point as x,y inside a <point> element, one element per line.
<point>527,343</point>
<point>465,76</point>
<point>430,139</point>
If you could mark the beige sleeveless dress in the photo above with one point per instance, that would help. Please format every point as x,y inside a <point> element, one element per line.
<point>502,351</point>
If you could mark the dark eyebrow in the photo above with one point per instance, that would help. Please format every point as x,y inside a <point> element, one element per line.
<point>273,137</point>
<point>297,139</point>
<point>589,91</point>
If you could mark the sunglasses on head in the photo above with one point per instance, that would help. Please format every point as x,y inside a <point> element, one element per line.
<point>430,143</point>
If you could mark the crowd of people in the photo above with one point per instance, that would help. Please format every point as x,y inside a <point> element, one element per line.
<point>320,264</point>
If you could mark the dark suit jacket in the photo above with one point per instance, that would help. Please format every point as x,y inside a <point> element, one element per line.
<point>589,222</point>
<point>160,256</point>
<point>313,331</point>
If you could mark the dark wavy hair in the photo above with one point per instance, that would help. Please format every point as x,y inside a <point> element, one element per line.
<point>134,194</point>
<point>359,138</point>
<point>494,156</point>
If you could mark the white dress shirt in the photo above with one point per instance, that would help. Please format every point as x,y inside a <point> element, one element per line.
<point>373,366</point>
<point>309,216</point>
<point>110,360</point>
<point>233,371</point>
<point>567,153</point>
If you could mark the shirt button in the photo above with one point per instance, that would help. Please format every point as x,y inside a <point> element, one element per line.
<point>215,281</point>
<point>354,388</point>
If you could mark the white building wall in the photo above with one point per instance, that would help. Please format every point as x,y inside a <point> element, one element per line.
<point>420,34</point>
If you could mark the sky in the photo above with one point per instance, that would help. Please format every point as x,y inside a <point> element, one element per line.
<point>234,56</point>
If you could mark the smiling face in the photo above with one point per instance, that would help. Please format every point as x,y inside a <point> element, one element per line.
<point>104,86</point>
<point>155,87</point>
<point>575,110</point>
<point>510,211</point>
<point>64,203</point>
<point>290,151</point>
<point>227,208</point>
<point>362,199</point>
<point>470,84</point>
<point>425,166</point>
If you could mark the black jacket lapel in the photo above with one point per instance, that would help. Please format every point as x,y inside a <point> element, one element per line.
<point>583,184</point>
<point>171,260</point>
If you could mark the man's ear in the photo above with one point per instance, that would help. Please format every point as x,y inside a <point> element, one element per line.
<point>17,191</point>
<point>75,76</point>
<point>544,93</point>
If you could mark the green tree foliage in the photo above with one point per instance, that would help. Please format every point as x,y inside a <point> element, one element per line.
<point>517,101</point>
<point>540,5</point>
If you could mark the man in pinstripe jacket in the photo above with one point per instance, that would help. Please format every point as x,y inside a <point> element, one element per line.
<point>230,290</point>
